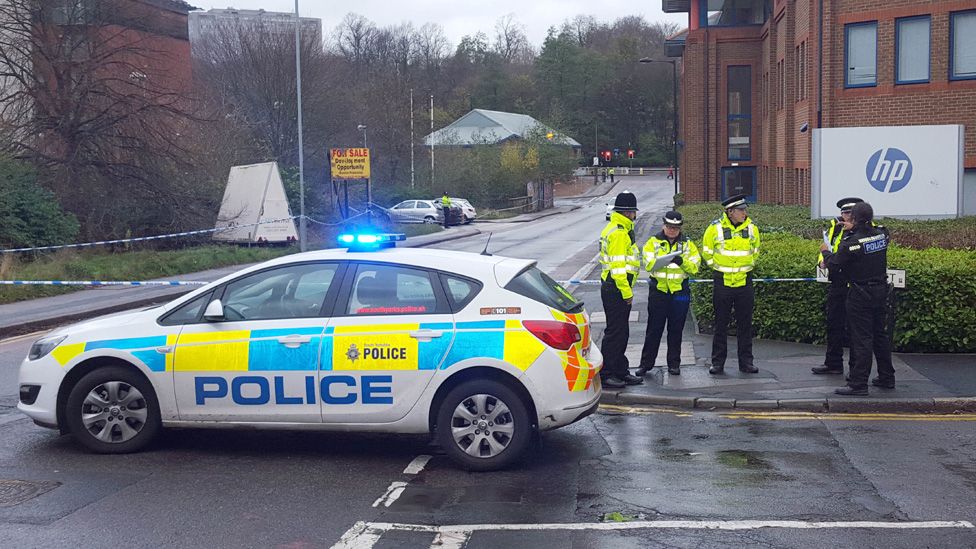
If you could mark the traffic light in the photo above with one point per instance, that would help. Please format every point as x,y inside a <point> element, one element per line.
<point>606,155</point>
<point>630,153</point>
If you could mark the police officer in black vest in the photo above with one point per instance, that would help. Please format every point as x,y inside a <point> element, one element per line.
<point>835,308</point>
<point>863,256</point>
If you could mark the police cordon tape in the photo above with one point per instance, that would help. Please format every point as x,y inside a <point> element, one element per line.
<point>146,283</point>
<point>174,235</point>
<point>700,280</point>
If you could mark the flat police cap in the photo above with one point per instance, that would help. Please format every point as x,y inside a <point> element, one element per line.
<point>845,204</point>
<point>737,201</point>
<point>625,202</point>
<point>673,218</point>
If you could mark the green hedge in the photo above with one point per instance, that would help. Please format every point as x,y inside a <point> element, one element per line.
<point>950,234</point>
<point>936,312</point>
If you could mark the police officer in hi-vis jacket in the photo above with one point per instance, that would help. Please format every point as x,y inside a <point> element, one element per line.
<point>730,247</point>
<point>620,262</point>
<point>670,293</point>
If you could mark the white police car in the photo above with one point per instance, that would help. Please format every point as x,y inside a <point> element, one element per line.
<point>481,350</point>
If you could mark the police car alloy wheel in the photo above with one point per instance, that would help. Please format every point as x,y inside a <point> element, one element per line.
<point>483,425</point>
<point>112,410</point>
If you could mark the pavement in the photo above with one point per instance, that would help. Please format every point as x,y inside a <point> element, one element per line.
<point>925,383</point>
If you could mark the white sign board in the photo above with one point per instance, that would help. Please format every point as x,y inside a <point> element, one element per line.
<point>896,277</point>
<point>902,171</point>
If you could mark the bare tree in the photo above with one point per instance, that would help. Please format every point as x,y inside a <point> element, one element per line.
<point>511,42</point>
<point>92,97</point>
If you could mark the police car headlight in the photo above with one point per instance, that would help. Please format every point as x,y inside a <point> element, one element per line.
<point>43,346</point>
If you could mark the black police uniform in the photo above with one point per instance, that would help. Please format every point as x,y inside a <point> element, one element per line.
<point>835,308</point>
<point>863,256</point>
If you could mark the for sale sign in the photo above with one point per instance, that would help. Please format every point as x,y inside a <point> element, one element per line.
<point>350,163</point>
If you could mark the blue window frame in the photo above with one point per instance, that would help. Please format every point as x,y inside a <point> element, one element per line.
<point>912,49</point>
<point>861,55</point>
<point>739,85</point>
<point>739,181</point>
<point>962,45</point>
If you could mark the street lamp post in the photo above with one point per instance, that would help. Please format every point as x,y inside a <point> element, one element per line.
<point>362,128</point>
<point>674,112</point>
<point>302,231</point>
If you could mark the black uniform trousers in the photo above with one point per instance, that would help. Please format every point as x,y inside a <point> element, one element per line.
<point>664,309</point>
<point>724,300</point>
<point>836,312</point>
<point>617,333</point>
<point>867,317</point>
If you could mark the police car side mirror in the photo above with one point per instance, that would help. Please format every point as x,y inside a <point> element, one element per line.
<point>214,311</point>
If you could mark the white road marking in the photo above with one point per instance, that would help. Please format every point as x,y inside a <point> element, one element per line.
<point>417,465</point>
<point>450,540</point>
<point>391,495</point>
<point>363,535</point>
<point>360,536</point>
<point>585,269</point>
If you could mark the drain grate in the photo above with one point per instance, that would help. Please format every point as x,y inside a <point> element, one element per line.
<point>14,492</point>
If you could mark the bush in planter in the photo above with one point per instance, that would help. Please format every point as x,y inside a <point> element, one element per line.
<point>935,313</point>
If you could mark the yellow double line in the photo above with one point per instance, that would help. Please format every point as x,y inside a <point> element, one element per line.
<point>794,416</point>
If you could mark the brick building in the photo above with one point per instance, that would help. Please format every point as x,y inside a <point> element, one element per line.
<point>758,75</point>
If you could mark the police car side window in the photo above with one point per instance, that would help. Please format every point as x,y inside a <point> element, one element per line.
<point>187,313</point>
<point>391,290</point>
<point>461,291</point>
<point>295,291</point>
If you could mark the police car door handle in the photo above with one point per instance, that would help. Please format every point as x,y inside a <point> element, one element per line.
<point>294,340</point>
<point>164,350</point>
<point>426,335</point>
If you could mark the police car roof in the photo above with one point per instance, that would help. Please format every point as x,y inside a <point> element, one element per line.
<point>480,267</point>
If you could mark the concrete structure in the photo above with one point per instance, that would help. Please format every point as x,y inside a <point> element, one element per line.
<point>757,75</point>
<point>210,24</point>
<point>483,127</point>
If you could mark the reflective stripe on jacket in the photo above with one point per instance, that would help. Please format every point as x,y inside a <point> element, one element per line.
<point>672,277</point>
<point>834,235</point>
<point>619,256</point>
<point>731,250</point>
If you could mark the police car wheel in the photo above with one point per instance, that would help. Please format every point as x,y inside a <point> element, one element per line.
<point>483,425</point>
<point>112,410</point>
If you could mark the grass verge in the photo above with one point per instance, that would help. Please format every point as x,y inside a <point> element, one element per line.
<point>127,265</point>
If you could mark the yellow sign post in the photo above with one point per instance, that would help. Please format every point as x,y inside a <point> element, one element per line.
<point>350,163</point>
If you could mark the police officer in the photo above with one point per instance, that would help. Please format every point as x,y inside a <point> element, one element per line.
<point>446,208</point>
<point>670,294</point>
<point>863,256</point>
<point>836,307</point>
<point>620,262</point>
<point>730,248</point>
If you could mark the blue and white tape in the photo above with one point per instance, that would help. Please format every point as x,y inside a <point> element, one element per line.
<point>143,238</point>
<point>100,283</point>
<point>575,282</point>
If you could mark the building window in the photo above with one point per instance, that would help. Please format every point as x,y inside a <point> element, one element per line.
<point>740,112</point>
<point>912,50</point>
<point>861,55</point>
<point>962,47</point>
<point>739,181</point>
<point>781,84</point>
<point>734,13</point>
<point>801,71</point>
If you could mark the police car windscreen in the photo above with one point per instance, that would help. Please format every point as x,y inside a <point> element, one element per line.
<point>537,285</point>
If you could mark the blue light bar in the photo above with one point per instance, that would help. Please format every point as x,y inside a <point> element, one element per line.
<point>370,241</point>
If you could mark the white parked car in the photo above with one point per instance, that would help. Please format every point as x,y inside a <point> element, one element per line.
<point>481,350</point>
<point>416,211</point>
<point>470,214</point>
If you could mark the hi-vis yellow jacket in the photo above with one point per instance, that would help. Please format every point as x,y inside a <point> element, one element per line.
<point>619,256</point>
<point>671,278</point>
<point>834,235</point>
<point>731,250</point>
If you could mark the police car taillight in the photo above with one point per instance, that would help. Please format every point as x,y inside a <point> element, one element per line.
<point>369,241</point>
<point>558,335</point>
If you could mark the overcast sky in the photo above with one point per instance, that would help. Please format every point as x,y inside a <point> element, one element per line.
<point>461,17</point>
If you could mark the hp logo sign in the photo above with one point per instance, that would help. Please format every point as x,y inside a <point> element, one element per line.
<point>889,170</point>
